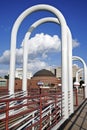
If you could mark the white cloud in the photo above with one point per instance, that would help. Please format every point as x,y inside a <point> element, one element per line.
<point>3,72</point>
<point>4,59</point>
<point>75,43</point>
<point>36,64</point>
<point>43,42</point>
<point>38,46</point>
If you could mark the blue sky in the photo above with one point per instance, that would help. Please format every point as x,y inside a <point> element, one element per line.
<point>40,54</point>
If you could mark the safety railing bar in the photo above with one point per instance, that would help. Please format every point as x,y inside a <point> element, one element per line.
<point>23,119</point>
<point>25,116</point>
<point>20,93</point>
<point>19,98</point>
<point>21,113</point>
<point>46,110</point>
<point>21,127</point>
<point>45,113</point>
<point>6,96</point>
<point>3,100</point>
<point>38,118</point>
<point>12,95</point>
<point>29,126</point>
<point>18,106</point>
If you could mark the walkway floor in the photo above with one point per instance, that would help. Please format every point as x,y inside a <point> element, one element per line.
<point>78,120</point>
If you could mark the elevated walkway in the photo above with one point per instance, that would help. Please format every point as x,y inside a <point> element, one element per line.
<point>43,111</point>
<point>78,120</point>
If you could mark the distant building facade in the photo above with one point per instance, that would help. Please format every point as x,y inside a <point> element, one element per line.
<point>57,72</point>
<point>51,78</point>
<point>45,76</point>
<point>19,74</point>
<point>3,86</point>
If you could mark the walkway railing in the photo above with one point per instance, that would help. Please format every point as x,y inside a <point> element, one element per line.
<point>32,111</point>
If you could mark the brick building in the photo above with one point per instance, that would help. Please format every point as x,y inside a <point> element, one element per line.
<point>45,76</point>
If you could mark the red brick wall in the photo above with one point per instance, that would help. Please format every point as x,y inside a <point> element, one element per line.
<point>32,83</point>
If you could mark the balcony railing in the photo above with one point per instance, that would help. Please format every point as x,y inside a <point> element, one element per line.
<point>32,111</point>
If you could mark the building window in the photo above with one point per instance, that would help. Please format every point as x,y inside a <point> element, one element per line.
<point>3,83</point>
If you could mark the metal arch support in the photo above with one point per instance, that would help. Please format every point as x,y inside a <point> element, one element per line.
<point>64,44</point>
<point>84,69</point>
<point>25,60</point>
<point>77,74</point>
<point>69,59</point>
<point>14,35</point>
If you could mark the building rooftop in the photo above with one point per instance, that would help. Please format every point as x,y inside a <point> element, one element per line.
<point>44,72</point>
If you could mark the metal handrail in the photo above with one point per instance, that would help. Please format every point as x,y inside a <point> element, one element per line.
<point>42,107</point>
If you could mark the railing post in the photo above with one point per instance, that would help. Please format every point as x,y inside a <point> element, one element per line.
<point>7,115</point>
<point>56,107</point>
<point>83,86</point>
<point>40,112</point>
<point>76,85</point>
<point>33,121</point>
<point>55,100</point>
<point>76,97</point>
<point>50,115</point>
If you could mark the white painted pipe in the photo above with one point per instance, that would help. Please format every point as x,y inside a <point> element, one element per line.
<point>64,47</point>
<point>69,72</point>
<point>77,74</point>
<point>69,59</point>
<point>85,71</point>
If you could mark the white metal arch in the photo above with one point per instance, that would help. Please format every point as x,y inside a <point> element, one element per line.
<point>14,35</point>
<point>85,71</point>
<point>78,73</point>
<point>69,40</point>
<point>64,45</point>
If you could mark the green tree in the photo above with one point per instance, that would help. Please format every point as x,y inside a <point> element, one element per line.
<point>6,76</point>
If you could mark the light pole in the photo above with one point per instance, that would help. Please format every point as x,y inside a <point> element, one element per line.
<point>40,84</point>
<point>83,86</point>
<point>76,85</point>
